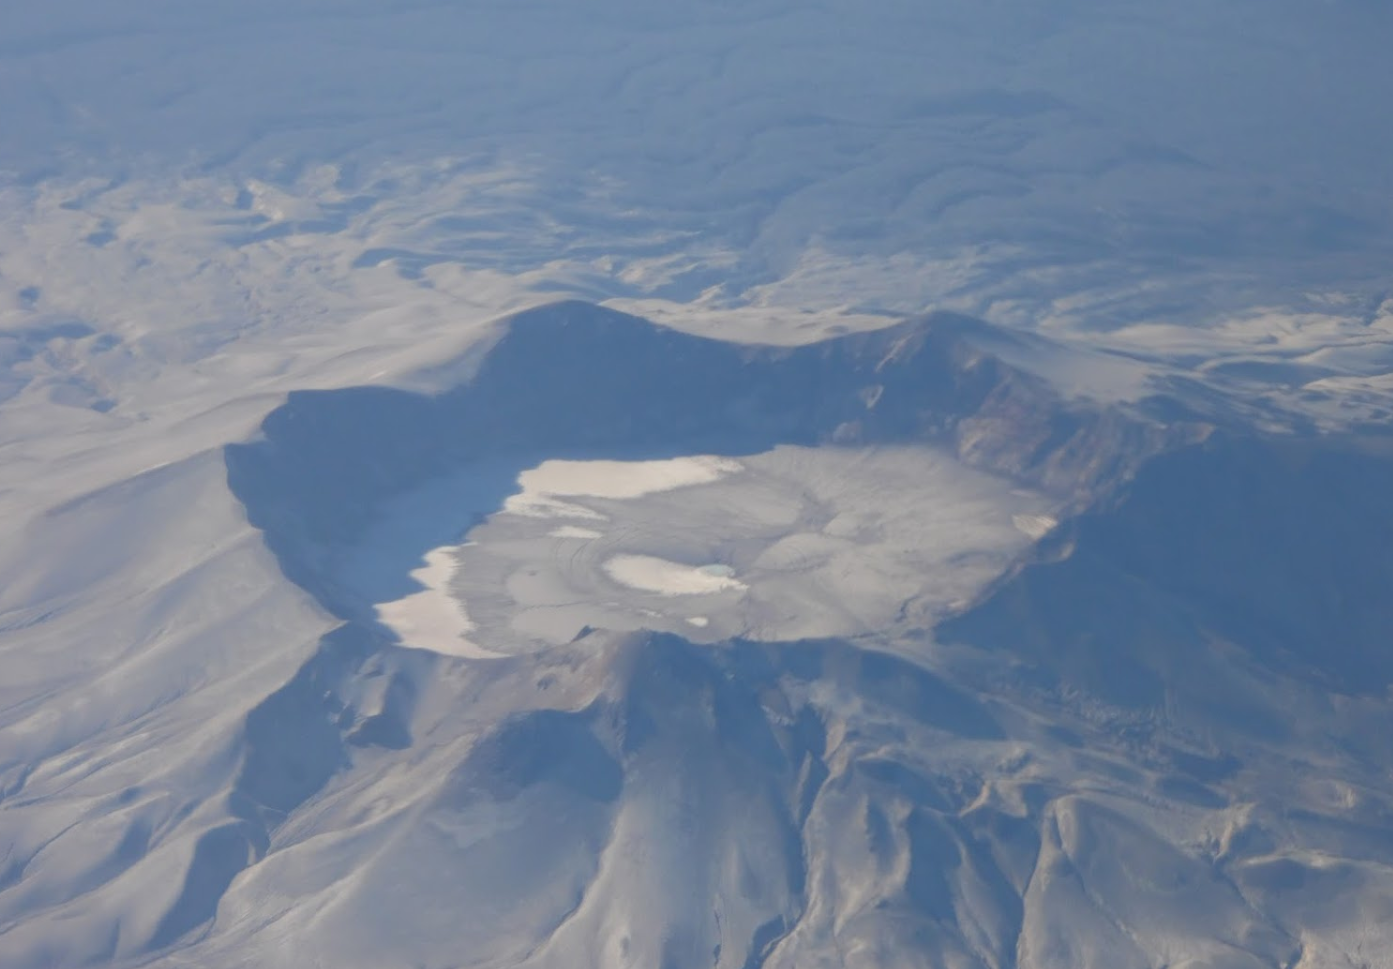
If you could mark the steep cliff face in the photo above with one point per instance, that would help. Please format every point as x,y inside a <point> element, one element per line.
<point>1281,548</point>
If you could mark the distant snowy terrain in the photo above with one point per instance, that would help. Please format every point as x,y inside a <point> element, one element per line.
<point>772,485</point>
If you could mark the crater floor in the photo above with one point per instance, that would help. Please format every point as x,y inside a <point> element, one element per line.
<point>790,543</point>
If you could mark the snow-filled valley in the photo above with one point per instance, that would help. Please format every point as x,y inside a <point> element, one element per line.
<point>783,485</point>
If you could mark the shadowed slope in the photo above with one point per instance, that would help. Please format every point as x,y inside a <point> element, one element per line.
<point>1282,547</point>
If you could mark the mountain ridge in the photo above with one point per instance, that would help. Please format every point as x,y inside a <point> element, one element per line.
<point>1089,763</point>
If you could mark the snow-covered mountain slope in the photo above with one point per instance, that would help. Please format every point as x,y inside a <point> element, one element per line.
<point>963,671</point>
<point>1108,162</point>
<point>783,485</point>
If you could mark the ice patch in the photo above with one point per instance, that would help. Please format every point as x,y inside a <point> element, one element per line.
<point>571,531</point>
<point>720,571</point>
<point>649,574</point>
<point>1036,526</point>
<point>545,486</point>
<point>545,506</point>
<point>432,618</point>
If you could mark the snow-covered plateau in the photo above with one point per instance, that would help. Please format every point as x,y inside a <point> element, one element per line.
<point>780,485</point>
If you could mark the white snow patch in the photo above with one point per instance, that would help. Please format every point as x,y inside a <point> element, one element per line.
<point>432,618</point>
<point>571,531</point>
<point>650,574</point>
<point>545,487</point>
<point>530,505</point>
<point>1036,526</point>
<point>625,479</point>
